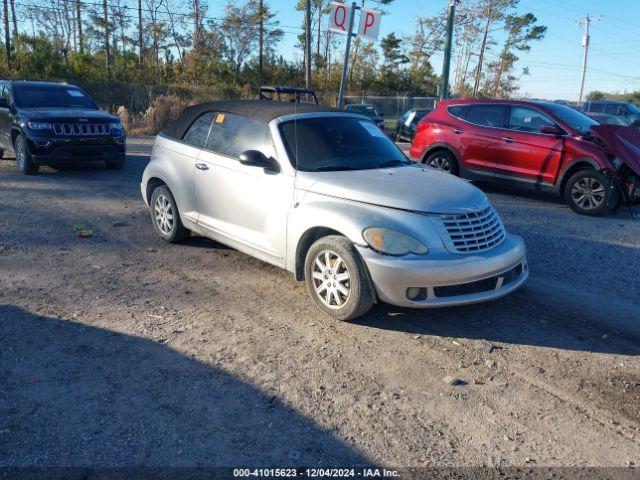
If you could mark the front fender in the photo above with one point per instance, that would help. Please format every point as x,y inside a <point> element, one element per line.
<point>350,218</point>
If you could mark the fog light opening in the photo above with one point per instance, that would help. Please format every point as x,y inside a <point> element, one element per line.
<point>42,143</point>
<point>416,293</point>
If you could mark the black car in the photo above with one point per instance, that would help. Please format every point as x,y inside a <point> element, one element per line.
<point>627,111</point>
<point>50,123</point>
<point>368,110</point>
<point>406,128</point>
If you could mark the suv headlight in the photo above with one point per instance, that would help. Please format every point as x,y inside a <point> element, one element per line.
<point>39,125</point>
<point>392,242</point>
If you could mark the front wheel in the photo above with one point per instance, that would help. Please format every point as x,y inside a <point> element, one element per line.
<point>23,156</point>
<point>442,160</point>
<point>337,278</point>
<point>588,192</point>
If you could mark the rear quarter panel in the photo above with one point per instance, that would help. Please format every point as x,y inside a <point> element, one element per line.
<point>173,162</point>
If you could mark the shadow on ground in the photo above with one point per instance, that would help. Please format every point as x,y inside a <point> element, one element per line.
<point>76,395</point>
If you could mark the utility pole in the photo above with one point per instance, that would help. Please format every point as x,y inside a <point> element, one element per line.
<point>106,39</point>
<point>7,35</point>
<point>260,42</point>
<point>140,49</point>
<point>585,46</point>
<point>446,64</point>
<point>307,43</point>
<point>79,20</point>
<point>345,66</point>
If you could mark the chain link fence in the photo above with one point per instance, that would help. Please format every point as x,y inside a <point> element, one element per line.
<point>393,107</point>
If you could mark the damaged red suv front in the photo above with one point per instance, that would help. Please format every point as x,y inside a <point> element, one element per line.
<point>541,146</point>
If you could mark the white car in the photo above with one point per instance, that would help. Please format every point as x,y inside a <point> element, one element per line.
<point>327,196</point>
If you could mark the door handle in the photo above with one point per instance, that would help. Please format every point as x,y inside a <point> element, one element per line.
<point>458,131</point>
<point>508,139</point>
<point>202,166</point>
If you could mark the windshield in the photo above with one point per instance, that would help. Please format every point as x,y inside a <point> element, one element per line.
<point>363,110</point>
<point>51,96</point>
<point>633,108</point>
<point>339,143</point>
<point>578,121</point>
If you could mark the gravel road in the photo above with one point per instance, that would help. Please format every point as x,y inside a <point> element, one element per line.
<point>121,350</point>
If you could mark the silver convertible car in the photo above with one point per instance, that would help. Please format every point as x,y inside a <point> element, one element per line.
<point>326,195</point>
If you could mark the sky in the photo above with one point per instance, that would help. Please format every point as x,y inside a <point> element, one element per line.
<point>554,63</point>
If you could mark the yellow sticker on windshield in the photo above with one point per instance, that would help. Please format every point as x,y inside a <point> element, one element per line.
<point>220,118</point>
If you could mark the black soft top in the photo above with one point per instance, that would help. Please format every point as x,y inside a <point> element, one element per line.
<point>262,110</point>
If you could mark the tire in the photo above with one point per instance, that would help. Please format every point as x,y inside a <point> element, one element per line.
<point>23,156</point>
<point>588,192</point>
<point>115,164</point>
<point>326,252</point>
<point>1,153</point>
<point>443,160</point>
<point>166,217</point>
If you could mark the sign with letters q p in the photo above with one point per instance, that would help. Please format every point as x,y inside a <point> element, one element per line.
<point>370,24</point>
<point>340,17</point>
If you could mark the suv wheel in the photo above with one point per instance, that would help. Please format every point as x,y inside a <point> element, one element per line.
<point>337,278</point>
<point>165,216</point>
<point>442,160</point>
<point>23,156</point>
<point>588,192</point>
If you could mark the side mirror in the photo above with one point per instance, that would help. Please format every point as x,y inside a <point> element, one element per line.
<point>551,130</point>
<point>4,103</point>
<point>254,158</point>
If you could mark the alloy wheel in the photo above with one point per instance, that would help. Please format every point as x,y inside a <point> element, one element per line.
<point>588,193</point>
<point>331,279</point>
<point>164,215</point>
<point>441,163</point>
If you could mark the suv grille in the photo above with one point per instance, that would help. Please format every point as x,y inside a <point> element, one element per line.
<point>472,232</point>
<point>79,129</point>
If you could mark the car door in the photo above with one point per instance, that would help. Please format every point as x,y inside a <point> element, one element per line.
<point>243,206</point>
<point>481,135</point>
<point>527,153</point>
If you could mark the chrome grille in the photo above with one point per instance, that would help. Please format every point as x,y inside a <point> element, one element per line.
<point>81,129</point>
<point>472,232</point>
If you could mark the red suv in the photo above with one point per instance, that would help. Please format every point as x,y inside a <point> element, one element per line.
<point>538,145</point>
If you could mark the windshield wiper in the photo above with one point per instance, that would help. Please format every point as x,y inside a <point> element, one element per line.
<point>335,168</point>
<point>392,163</point>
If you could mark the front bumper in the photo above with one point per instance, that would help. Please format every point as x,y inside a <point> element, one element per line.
<point>446,279</point>
<point>47,151</point>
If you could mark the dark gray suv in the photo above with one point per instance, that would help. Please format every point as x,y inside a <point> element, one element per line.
<point>627,111</point>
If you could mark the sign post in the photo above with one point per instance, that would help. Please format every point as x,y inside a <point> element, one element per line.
<point>342,21</point>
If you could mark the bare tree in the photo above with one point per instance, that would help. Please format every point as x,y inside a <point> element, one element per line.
<point>7,37</point>
<point>79,27</point>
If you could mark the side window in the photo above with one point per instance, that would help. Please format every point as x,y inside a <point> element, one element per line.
<point>611,108</point>
<point>596,107</point>
<point>199,131</point>
<point>487,115</point>
<point>233,134</point>
<point>458,111</point>
<point>527,119</point>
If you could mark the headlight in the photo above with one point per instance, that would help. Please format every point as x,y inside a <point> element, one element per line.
<point>115,126</point>
<point>39,125</point>
<point>391,242</point>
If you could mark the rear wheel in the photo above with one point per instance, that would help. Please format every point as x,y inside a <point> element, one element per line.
<point>165,216</point>
<point>23,156</point>
<point>442,160</point>
<point>337,278</point>
<point>588,192</point>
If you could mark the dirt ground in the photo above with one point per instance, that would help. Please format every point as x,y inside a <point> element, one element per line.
<point>121,350</point>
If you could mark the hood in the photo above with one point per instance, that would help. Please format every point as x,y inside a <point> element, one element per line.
<point>415,188</point>
<point>623,142</point>
<point>66,114</point>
